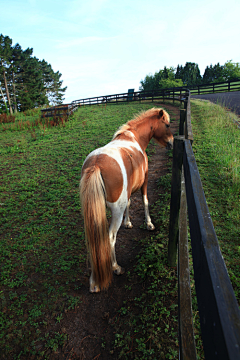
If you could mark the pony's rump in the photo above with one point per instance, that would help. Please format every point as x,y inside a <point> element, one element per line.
<point>92,195</point>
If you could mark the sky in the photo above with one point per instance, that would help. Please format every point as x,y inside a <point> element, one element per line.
<point>104,47</point>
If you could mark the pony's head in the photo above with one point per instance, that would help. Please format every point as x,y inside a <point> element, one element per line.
<point>161,130</point>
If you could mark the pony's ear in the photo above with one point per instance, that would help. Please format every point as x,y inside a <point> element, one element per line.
<point>161,113</point>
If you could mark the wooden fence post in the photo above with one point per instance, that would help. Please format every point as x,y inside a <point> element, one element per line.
<point>217,304</point>
<point>178,147</point>
<point>182,120</point>
<point>187,347</point>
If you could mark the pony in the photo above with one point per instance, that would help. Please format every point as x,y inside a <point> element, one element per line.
<point>109,176</point>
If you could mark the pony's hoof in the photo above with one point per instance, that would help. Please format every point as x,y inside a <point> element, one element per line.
<point>150,227</point>
<point>119,271</point>
<point>128,225</point>
<point>94,289</point>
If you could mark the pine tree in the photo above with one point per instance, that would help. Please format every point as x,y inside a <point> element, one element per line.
<point>5,55</point>
<point>52,84</point>
<point>191,74</point>
<point>26,82</point>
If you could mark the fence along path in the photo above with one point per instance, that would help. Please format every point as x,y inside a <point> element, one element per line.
<point>165,94</point>
<point>175,94</point>
<point>217,304</point>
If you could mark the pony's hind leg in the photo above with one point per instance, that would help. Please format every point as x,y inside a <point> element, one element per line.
<point>148,220</point>
<point>117,216</point>
<point>94,288</point>
<point>127,221</point>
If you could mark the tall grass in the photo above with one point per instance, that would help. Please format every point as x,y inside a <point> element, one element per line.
<point>217,151</point>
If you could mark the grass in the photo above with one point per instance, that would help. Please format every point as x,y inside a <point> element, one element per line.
<point>42,249</point>
<point>217,151</point>
<point>148,325</point>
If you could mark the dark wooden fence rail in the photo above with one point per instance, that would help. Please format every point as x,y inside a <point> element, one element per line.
<point>233,85</point>
<point>177,94</point>
<point>59,110</point>
<point>217,304</point>
<point>174,94</point>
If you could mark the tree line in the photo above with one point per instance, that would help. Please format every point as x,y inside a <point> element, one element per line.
<point>25,81</point>
<point>189,75</point>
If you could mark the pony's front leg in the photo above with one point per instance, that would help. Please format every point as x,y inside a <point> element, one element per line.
<point>127,221</point>
<point>149,223</point>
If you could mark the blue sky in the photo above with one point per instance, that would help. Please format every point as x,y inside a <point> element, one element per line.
<point>104,47</point>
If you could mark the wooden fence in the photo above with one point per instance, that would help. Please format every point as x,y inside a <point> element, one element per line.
<point>173,94</point>
<point>233,85</point>
<point>217,304</point>
<point>166,94</point>
<point>59,110</point>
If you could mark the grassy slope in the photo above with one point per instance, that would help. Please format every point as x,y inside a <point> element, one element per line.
<point>217,151</point>
<point>42,240</point>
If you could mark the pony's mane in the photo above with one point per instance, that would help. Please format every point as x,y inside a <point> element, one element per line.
<point>139,118</point>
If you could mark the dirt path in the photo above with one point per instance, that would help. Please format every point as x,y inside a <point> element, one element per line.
<point>93,319</point>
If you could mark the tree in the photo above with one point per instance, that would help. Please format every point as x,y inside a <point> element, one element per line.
<point>220,73</point>
<point>31,91</point>
<point>213,74</point>
<point>154,82</point>
<point>3,98</point>
<point>5,55</point>
<point>179,72</point>
<point>26,82</point>
<point>150,83</point>
<point>52,84</point>
<point>231,71</point>
<point>17,61</point>
<point>190,74</point>
<point>169,83</point>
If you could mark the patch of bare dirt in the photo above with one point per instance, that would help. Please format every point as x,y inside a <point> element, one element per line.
<point>93,319</point>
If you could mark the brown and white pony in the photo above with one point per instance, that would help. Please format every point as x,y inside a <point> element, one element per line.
<point>109,176</point>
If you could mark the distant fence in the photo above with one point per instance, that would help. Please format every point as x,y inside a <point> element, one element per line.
<point>140,96</point>
<point>59,111</point>
<point>176,93</point>
<point>165,94</point>
<point>217,304</point>
<point>173,94</point>
<point>226,86</point>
